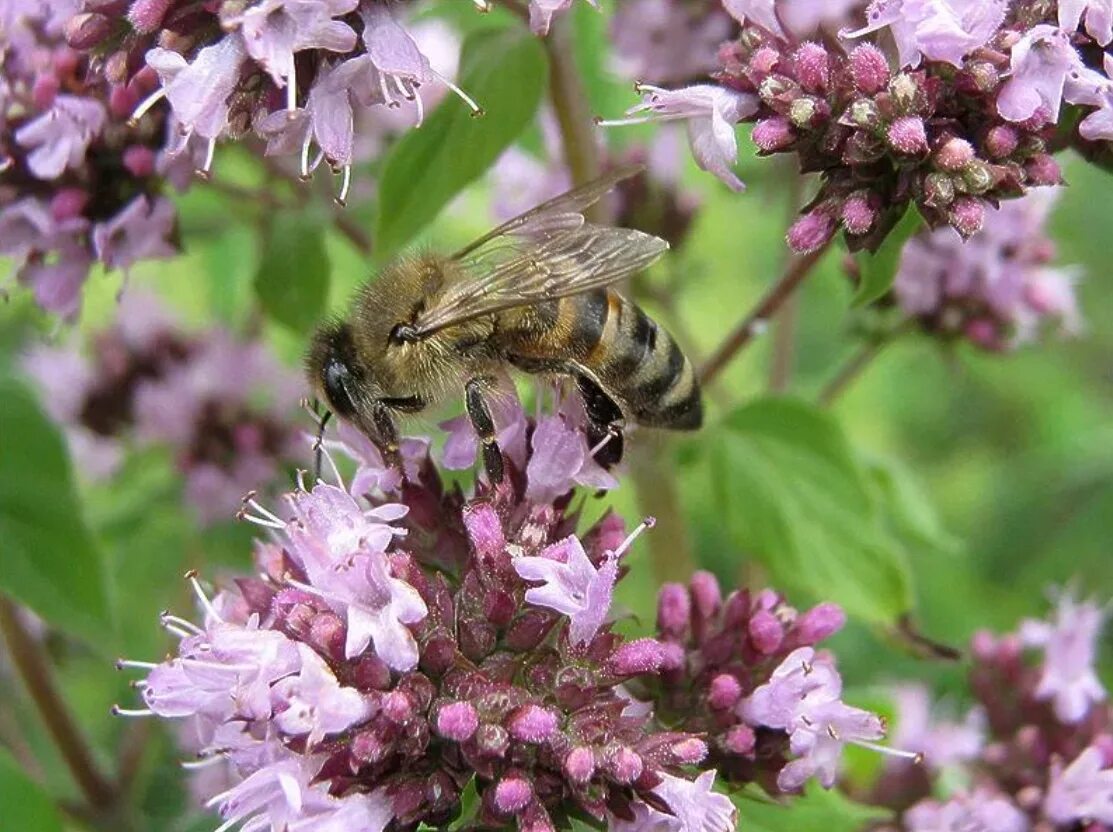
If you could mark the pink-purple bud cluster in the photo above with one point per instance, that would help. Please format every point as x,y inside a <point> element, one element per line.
<point>296,74</point>
<point>750,681</point>
<point>1037,749</point>
<point>80,184</point>
<point>224,407</point>
<point>997,289</point>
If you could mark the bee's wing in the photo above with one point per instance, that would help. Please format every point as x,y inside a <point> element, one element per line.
<point>547,253</point>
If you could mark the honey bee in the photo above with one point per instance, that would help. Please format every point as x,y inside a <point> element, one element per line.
<point>533,294</point>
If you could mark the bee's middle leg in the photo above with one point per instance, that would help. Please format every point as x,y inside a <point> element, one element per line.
<point>480,416</point>
<point>605,422</point>
<point>387,435</point>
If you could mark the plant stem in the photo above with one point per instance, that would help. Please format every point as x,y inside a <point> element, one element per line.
<point>852,370</point>
<point>28,658</point>
<point>798,269</point>
<point>651,468</point>
<point>784,345</point>
<point>577,130</point>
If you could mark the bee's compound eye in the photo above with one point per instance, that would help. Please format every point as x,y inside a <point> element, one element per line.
<point>336,378</point>
<point>402,333</point>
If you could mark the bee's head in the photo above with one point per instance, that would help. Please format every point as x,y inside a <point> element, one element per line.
<point>337,375</point>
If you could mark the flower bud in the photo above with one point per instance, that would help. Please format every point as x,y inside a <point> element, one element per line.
<point>763,61</point>
<point>740,739</point>
<point>984,76</point>
<point>906,135</point>
<point>688,751</point>
<point>625,765</point>
<point>724,692</point>
<point>485,532</point>
<point>147,15</point>
<point>939,190</point>
<point>371,673</point>
<point>820,622</point>
<point>498,607</point>
<point>1043,170</point>
<point>706,595</point>
<point>327,634</point>
<point>810,232</point>
<point>438,653</point>
<point>85,31</point>
<point>766,632</point>
<point>643,655</point>
<point>804,112</point>
<point>512,794</point>
<point>773,134</point>
<point>869,68</point>
<point>492,740</point>
<point>457,721</point>
<point>529,629</point>
<point>984,333</point>
<point>904,89</point>
<point>865,114</point>
<point>579,764</point>
<point>532,724</point>
<point>967,215</point>
<point>1001,141</point>
<point>954,155</point>
<point>369,747</point>
<point>397,707</point>
<point>674,610</point>
<point>858,214</point>
<point>810,62</point>
<point>977,177</point>
<point>68,203</point>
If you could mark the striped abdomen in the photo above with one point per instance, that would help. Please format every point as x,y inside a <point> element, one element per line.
<point>635,361</point>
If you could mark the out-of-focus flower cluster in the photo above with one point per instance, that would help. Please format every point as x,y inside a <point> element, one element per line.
<point>297,73</point>
<point>225,407</point>
<point>78,184</point>
<point>407,652</point>
<point>996,289</point>
<point>1036,752</point>
<point>965,113</point>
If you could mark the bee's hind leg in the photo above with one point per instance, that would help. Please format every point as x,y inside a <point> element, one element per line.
<point>480,416</point>
<point>605,422</point>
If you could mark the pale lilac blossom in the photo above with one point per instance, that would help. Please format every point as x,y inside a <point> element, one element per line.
<point>983,811</point>
<point>939,30</point>
<point>314,703</point>
<point>140,231</point>
<point>562,458</point>
<point>462,443</point>
<point>1069,643</point>
<point>941,743</point>
<point>542,12</point>
<point>710,113</point>
<point>1098,15</point>
<point>60,137</point>
<point>1082,791</point>
<point>695,806</point>
<point>665,42</point>
<point>1044,71</point>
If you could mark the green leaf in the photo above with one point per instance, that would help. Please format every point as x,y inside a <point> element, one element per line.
<point>26,806</point>
<point>504,70</point>
<point>791,491</point>
<point>908,510</point>
<point>48,559</point>
<point>293,277</point>
<point>817,808</point>
<point>469,807</point>
<point>879,270</point>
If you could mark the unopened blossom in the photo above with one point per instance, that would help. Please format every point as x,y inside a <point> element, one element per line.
<point>1081,791</point>
<point>997,289</point>
<point>542,12</point>
<point>1069,644</point>
<point>938,30</point>
<point>710,113</point>
<point>392,648</point>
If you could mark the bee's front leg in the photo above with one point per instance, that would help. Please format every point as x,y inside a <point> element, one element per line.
<point>480,416</point>
<point>386,432</point>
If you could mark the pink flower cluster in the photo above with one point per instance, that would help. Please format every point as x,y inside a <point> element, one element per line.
<point>963,114</point>
<point>1035,753</point>
<point>80,185</point>
<point>407,653</point>
<point>996,289</point>
<point>225,407</point>
<point>297,73</point>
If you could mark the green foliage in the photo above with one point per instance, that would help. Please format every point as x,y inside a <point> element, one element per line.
<point>27,807</point>
<point>504,70</point>
<point>792,492</point>
<point>816,809</point>
<point>879,269</point>
<point>469,807</point>
<point>293,277</point>
<point>49,560</point>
